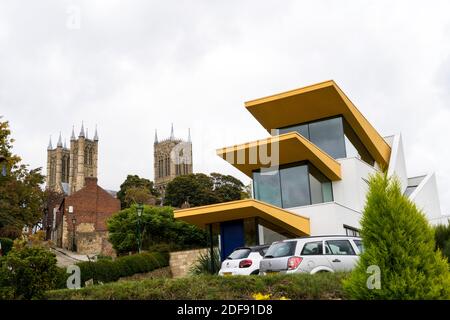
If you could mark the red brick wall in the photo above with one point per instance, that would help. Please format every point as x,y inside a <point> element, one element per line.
<point>91,205</point>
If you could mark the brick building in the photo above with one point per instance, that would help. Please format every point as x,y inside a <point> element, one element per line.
<point>85,211</point>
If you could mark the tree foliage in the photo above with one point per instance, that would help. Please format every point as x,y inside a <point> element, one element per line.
<point>398,239</point>
<point>442,237</point>
<point>200,189</point>
<point>22,198</point>
<point>28,272</point>
<point>136,190</point>
<point>158,226</point>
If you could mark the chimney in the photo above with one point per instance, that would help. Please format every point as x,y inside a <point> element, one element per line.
<point>90,182</point>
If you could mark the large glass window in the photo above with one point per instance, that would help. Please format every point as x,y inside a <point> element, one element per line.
<point>321,188</point>
<point>295,186</point>
<point>354,146</point>
<point>267,187</point>
<point>302,129</point>
<point>292,185</point>
<point>328,135</point>
<point>334,136</point>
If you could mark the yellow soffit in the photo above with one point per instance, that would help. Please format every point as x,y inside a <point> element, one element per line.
<point>242,209</point>
<point>290,147</point>
<point>316,102</point>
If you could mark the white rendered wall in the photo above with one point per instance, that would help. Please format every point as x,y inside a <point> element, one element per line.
<point>425,196</point>
<point>351,190</point>
<point>329,218</point>
<point>397,164</point>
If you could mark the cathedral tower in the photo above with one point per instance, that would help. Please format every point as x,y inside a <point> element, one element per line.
<point>67,168</point>
<point>172,158</point>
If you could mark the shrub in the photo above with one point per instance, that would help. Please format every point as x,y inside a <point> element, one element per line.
<point>442,238</point>
<point>204,263</point>
<point>157,225</point>
<point>398,239</point>
<point>292,286</point>
<point>6,245</point>
<point>28,273</point>
<point>109,271</point>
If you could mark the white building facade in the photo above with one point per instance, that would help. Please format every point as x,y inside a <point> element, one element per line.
<point>310,176</point>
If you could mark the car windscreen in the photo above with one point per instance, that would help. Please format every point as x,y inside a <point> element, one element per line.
<point>281,249</point>
<point>239,254</point>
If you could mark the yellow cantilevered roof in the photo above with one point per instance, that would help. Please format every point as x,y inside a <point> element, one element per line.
<point>242,209</point>
<point>316,102</point>
<point>292,147</point>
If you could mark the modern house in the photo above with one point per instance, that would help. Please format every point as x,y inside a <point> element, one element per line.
<point>310,176</point>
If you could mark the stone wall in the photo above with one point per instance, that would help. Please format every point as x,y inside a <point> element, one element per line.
<point>182,261</point>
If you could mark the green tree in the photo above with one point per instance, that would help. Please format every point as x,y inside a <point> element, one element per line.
<point>200,189</point>
<point>442,237</point>
<point>226,187</point>
<point>135,189</point>
<point>398,239</point>
<point>158,226</point>
<point>29,272</point>
<point>22,199</point>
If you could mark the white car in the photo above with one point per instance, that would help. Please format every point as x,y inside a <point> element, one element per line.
<point>243,261</point>
<point>312,255</point>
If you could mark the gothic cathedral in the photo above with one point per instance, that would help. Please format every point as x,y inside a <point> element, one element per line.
<point>67,168</point>
<point>172,158</point>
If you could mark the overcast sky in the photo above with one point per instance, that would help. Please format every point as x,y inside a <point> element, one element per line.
<point>135,66</point>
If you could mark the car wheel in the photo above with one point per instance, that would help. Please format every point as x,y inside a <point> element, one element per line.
<point>255,272</point>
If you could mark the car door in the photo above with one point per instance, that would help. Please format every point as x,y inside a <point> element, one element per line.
<point>340,254</point>
<point>313,257</point>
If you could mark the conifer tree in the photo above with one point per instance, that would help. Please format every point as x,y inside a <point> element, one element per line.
<point>398,239</point>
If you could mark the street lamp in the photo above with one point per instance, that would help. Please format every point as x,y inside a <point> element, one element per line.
<point>74,221</point>
<point>139,210</point>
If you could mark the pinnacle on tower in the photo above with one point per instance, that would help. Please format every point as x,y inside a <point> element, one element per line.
<point>50,147</point>
<point>189,135</point>
<point>96,134</point>
<point>87,133</point>
<point>82,130</point>
<point>156,137</point>
<point>59,141</point>
<point>72,137</point>
<point>172,137</point>
<point>65,144</point>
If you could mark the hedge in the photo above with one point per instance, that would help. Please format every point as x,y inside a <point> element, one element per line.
<point>112,270</point>
<point>6,245</point>
<point>292,286</point>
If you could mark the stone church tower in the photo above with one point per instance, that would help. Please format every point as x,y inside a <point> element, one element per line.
<point>172,158</point>
<point>67,168</point>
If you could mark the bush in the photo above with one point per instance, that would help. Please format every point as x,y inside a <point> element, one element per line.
<point>109,271</point>
<point>6,245</point>
<point>27,273</point>
<point>398,239</point>
<point>158,226</point>
<point>442,238</point>
<point>204,263</point>
<point>292,286</point>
